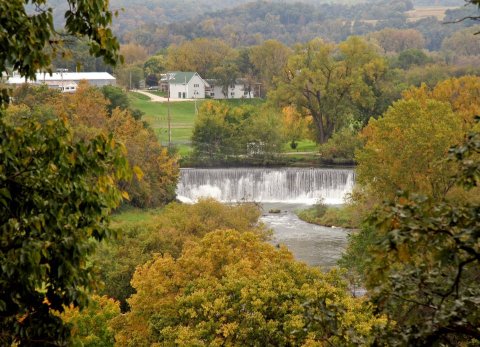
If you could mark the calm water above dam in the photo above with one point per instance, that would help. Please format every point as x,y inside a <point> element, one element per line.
<point>284,189</point>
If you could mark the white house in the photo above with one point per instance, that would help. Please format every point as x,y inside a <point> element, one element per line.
<point>66,81</point>
<point>240,90</point>
<point>185,85</point>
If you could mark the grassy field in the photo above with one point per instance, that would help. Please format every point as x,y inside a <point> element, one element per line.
<point>302,146</point>
<point>421,12</point>
<point>156,114</point>
<point>158,92</point>
<point>129,215</point>
<point>183,120</point>
<point>182,117</point>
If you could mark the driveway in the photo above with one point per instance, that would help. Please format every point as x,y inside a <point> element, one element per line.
<point>156,98</point>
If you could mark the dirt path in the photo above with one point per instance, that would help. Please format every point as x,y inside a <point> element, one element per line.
<point>156,98</point>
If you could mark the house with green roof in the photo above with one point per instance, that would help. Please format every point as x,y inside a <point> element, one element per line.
<point>185,85</point>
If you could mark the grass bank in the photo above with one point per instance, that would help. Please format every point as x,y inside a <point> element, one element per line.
<point>131,215</point>
<point>344,216</point>
<point>183,115</point>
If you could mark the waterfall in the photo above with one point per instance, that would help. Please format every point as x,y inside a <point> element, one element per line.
<point>290,185</point>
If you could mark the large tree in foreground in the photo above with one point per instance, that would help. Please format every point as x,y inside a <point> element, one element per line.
<point>55,198</point>
<point>233,289</point>
<point>331,83</point>
<point>55,195</point>
<point>422,262</point>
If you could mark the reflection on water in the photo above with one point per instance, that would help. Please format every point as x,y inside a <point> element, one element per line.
<point>313,244</point>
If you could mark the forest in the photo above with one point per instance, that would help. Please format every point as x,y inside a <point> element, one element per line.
<point>97,250</point>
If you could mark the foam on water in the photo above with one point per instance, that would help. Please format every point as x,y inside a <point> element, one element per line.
<point>288,185</point>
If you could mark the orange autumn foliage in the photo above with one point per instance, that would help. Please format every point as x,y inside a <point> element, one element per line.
<point>156,171</point>
<point>463,94</point>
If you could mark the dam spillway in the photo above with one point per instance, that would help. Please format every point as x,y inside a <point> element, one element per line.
<point>288,185</point>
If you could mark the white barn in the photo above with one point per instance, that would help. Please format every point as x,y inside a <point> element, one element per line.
<point>66,81</point>
<point>239,90</point>
<point>185,85</point>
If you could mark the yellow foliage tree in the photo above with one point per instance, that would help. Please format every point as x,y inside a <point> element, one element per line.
<point>156,171</point>
<point>404,149</point>
<point>463,94</point>
<point>200,55</point>
<point>167,232</point>
<point>233,289</point>
<point>295,126</point>
<point>89,327</point>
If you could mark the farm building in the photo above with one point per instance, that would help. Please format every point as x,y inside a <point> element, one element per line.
<point>66,81</point>
<point>241,89</point>
<point>184,85</point>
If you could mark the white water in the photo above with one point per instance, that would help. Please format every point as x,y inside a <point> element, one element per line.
<point>285,189</point>
<point>313,244</point>
<point>286,185</point>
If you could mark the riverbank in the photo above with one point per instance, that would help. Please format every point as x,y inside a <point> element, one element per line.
<point>313,244</point>
<point>285,159</point>
<point>344,216</point>
<point>183,114</point>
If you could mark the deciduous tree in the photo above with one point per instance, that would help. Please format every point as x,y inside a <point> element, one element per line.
<point>165,232</point>
<point>231,288</point>
<point>55,196</point>
<point>229,134</point>
<point>398,40</point>
<point>90,326</point>
<point>200,55</point>
<point>295,127</point>
<point>404,148</point>
<point>422,261</point>
<point>330,83</point>
<point>133,53</point>
<point>463,94</point>
<point>269,59</point>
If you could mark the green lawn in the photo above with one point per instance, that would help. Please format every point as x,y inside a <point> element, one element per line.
<point>158,92</point>
<point>182,117</point>
<point>129,215</point>
<point>303,146</point>
<point>139,96</point>
<point>156,114</point>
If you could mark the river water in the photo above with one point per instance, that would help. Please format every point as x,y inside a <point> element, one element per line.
<point>286,189</point>
<point>313,244</point>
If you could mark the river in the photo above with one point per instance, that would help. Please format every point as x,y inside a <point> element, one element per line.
<point>286,189</point>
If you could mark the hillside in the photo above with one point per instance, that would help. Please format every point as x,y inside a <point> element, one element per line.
<point>135,13</point>
<point>157,24</point>
<point>287,22</point>
<point>291,23</point>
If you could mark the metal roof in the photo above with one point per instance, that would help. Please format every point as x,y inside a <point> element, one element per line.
<point>179,77</point>
<point>65,76</point>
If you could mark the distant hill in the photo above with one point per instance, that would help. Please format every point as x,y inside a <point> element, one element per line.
<point>290,22</point>
<point>156,24</point>
<point>136,13</point>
